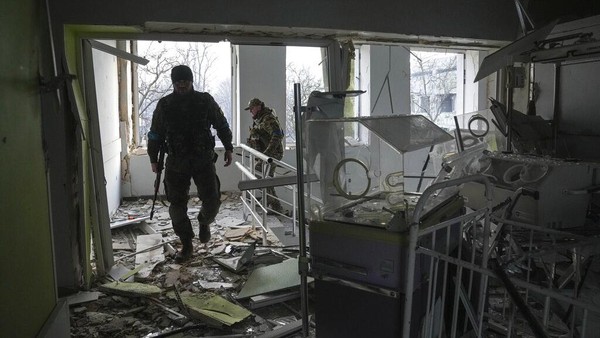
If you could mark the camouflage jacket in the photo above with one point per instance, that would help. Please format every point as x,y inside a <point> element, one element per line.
<point>184,121</point>
<point>266,134</point>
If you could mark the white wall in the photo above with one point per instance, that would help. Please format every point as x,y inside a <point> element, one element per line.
<point>142,177</point>
<point>107,92</point>
<point>395,62</point>
<point>478,97</point>
<point>261,75</point>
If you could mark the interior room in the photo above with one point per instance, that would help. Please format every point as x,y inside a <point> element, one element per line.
<point>438,173</point>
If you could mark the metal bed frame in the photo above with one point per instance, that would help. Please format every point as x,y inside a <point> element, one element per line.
<point>501,280</point>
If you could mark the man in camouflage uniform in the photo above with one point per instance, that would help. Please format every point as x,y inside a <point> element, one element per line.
<point>266,136</point>
<point>183,120</point>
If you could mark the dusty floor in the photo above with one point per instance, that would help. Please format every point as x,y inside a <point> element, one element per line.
<point>102,312</point>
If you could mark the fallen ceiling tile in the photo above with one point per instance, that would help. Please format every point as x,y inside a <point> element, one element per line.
<point>151,257</point>
<point>131,289</point>
<point>82,297</point>
<point>272,278</point>
<point>118,271</point>
<point>237,264</point>
<point>214,309</point>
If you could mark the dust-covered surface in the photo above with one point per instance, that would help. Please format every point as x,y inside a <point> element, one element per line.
<point>132,311</point>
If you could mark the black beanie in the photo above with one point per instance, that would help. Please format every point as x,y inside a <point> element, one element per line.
<point>181,72</point>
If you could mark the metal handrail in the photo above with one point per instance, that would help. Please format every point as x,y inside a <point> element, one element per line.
<point>246,168</point>
<point>266,158</point>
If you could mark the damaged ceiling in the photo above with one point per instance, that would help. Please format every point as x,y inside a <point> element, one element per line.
<point>281,35</point>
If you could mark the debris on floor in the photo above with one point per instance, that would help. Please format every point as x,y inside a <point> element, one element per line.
<point>271,278</point>
<point>214,309</point>
<point>130,289</point>
<point>234,285</point>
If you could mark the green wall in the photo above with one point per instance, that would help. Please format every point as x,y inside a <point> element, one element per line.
<point>27,290</point>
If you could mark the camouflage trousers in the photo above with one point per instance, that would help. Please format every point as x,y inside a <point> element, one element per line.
<point>272,199</point>
<point>178,178</point>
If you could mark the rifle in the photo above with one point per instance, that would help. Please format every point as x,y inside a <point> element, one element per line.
<point>215,158</point>
<point>159,169</point>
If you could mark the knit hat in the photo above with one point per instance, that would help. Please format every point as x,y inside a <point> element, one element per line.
<point>254,102</point>
<point>181,72</point>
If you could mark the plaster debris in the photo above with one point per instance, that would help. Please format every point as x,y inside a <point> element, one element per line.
<point>230,221</point>
<point>209,304</point>
<point>131,289</point>
<point>82,297</point>
<point>151,257</point>
<point>271,278</point>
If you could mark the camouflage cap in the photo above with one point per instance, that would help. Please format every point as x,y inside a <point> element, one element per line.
<point>254,102</point>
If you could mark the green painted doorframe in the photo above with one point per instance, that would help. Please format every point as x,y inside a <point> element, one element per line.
<point>79,63</point>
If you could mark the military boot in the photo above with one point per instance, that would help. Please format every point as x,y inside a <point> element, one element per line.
<point>186,251</point>
<point>204,233</point>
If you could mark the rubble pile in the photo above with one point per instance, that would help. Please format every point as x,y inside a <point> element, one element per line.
<point>146,294</point>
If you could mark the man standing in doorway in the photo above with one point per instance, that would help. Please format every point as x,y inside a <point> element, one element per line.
<point>266,136</point>
<point>183,119</point>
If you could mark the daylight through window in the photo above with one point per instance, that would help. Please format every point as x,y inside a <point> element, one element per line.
<point>210,63</point>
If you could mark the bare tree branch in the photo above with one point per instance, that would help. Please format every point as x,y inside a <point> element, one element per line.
<point>433,81</point>
<point>308,83</point>
<point>154,78</point>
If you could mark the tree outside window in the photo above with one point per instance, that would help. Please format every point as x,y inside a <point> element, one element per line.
<point>304,66</point>
<point>210,63</point>
<point>433,85</point>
